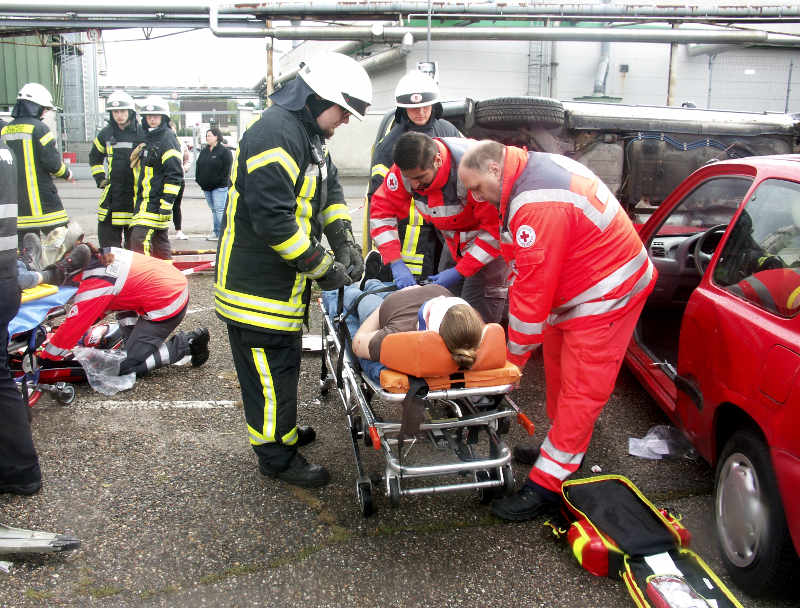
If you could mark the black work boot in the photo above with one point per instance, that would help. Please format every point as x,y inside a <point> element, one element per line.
<point>198,346</point>
<point>372,267</point>
<point>305,435</point>
<point>300,473</point>
<point>24,489</point>
<point>530,501</point>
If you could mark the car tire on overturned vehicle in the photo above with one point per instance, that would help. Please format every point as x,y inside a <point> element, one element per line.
<point>514,112</point>
<point>755,543</point>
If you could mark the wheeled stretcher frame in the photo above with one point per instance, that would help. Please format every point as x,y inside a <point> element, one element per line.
<point>466,418</point>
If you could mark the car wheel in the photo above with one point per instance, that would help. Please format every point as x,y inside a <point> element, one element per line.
<point>754,540</point>
<point>515,112</point>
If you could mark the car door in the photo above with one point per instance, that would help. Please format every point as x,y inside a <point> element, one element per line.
<point>739,341</point>
<point>708,198</point>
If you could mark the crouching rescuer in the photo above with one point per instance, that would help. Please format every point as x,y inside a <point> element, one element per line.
<point>285,194</point>
<point>150,296</point>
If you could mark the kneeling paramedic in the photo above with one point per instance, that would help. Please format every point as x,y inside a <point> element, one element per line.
<point>285,193</point>
<point>151,295</point>
<point>579,280</point>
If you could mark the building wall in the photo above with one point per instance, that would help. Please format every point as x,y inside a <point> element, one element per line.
<point>20,62</point>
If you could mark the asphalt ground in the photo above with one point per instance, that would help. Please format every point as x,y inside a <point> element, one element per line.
<point>161,486</point>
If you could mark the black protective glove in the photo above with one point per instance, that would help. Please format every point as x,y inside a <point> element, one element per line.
<point>335,278</point>
<point>102,183</point>
<point>345,249</point>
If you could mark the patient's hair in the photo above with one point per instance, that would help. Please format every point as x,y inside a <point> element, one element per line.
<point>462,330</point>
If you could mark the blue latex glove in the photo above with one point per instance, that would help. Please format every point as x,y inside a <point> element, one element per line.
<point>447,278</point>
<point>401,274</point>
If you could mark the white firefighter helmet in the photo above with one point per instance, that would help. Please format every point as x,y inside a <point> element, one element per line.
<point>36,93</point>
<point>416,90</point>
<point>120,100</point>
<point>340,79</point>
<point>154,105</point>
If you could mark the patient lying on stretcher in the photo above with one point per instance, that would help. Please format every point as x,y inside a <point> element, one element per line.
<point>419,307</point>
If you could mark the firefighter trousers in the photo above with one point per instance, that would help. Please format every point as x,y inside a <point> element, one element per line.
<point>19,464</point>
<point>110,235</point>
<point>146,344</point>
<point>150,241</point>
<point>581,367</point>
<point>268,367</point>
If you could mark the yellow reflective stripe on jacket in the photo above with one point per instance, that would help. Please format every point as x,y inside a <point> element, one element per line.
<point>379,169</point>
<point>121,218</point>
<point>258,318</point>
<point>408,251</point>
<point>267,432</point>
<point>61,170</point>
<point>171,188</point>
<point>48,219</point>
<point>331,213</point>
<point>258,303</point>
<point>171,154</point>
<point>99,146</point>
<point>46,138</point>
<point>228,235</point>
<point>274,155</point>
<point>148,176</point>
<point>166,205</point>
<point>97,169</point>
<point>16,129</point>
<point>294,245</point>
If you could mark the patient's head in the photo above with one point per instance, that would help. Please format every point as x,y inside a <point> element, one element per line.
<point>461,329</point>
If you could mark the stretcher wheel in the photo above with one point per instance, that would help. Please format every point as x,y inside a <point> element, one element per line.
<point>326,385</point>
<point>394,491</point>
<point>358,427</point>
<point>503,426</point>
<point>508,479</point>
<point>364,493</point>
<point>486,494</point>
<point>65,394</point>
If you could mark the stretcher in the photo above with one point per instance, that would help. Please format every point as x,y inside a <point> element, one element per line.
<point>458,445</point>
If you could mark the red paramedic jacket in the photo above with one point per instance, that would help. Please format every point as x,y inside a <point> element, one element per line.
<point>151,287</point>
<point>470,228</point>
<point>576,259</point>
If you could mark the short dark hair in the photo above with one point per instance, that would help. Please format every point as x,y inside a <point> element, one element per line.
<point>414,150</point>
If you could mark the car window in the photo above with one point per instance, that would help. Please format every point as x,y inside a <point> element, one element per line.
<point>761,259</point>
<point>713,202</point>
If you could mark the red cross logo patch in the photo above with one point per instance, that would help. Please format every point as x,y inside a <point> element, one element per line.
<point>391,182</point>
<point>526,236</point>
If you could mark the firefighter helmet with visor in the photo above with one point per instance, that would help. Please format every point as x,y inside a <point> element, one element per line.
<point>341,80</point>
<point>36,93</point>
<point>416,90</point>
<point>154,105</point>
<point>120,100</point>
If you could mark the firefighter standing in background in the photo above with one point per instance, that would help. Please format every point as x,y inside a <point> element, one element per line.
<point>424,178</point>
<point>115,142</point>
<point>38,161</point>
<point>418,109</point>
<point>160,165</point>
<point>285,193</point>
<point>579,279</point>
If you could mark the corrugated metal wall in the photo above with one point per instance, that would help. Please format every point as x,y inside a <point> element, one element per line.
<point>23,60</point>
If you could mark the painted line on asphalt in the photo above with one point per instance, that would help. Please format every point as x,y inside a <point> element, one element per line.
<point>156,405</point>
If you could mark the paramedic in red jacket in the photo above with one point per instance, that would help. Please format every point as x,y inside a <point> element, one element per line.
<point>579,279</point>
<point>153,296</point>
<point>426,169</point>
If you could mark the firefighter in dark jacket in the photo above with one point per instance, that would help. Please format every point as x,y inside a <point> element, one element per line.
<point>418,109</point>
<point>160,165</point>
<point>38,161</point>
<point>114,144</point>
<point>285,193</point>
<point>19,464</point>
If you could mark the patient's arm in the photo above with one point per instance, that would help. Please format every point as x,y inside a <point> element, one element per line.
<point>368,329</point>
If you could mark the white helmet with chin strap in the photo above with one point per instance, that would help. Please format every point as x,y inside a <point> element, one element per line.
<point>416,90</point>
<point>154,105</point>
<point>341,80</point>
<point>120,100</point>
<point>36,93</point>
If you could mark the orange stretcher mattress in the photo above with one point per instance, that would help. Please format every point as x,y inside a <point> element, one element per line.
<point>423,354</point>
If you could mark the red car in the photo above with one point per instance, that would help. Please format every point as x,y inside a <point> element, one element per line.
<point>718,347</point>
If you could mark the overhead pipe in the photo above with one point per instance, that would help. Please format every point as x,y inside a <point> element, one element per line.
<point>450,8</point>
<point>388,34</point>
